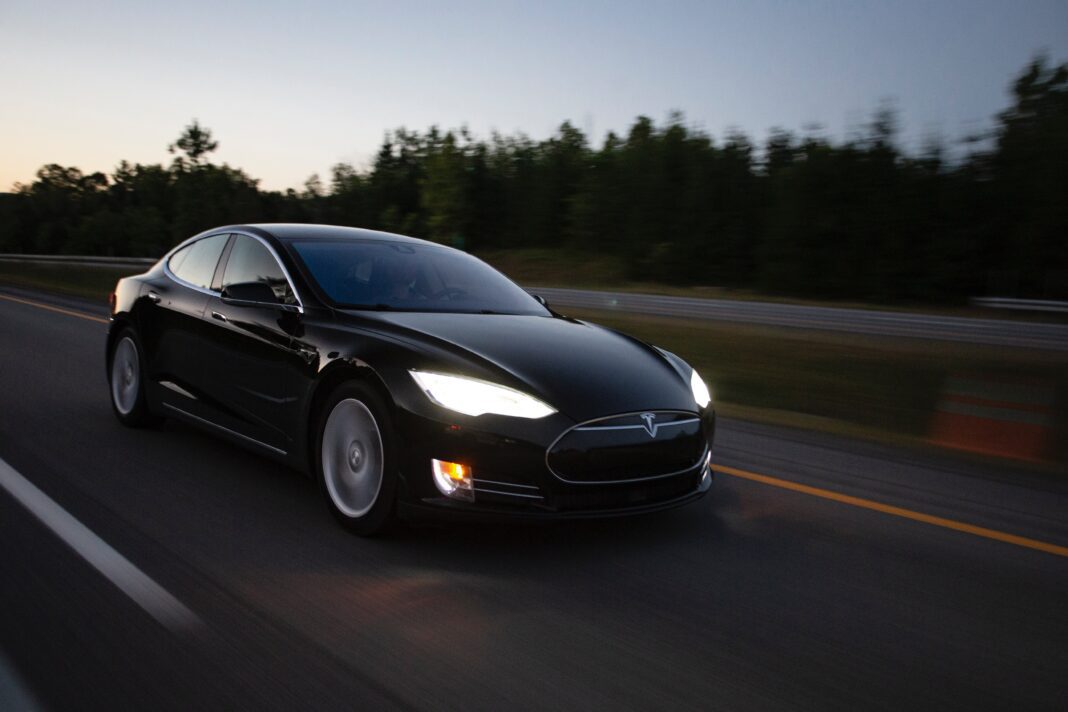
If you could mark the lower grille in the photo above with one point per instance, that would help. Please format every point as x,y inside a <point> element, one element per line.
<point>492,490</point>
<point>628,495</point>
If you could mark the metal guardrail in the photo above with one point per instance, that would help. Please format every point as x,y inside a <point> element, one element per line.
<point>1041,305</point>
<point>996,332</point>
<point>87,260</point>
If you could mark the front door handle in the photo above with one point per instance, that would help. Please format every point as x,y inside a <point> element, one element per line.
<point>217,315</point>
<point>153,297</point>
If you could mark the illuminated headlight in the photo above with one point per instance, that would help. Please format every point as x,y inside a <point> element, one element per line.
<point>453,479</point>
<point>471,396</point>
<point>700,390</point>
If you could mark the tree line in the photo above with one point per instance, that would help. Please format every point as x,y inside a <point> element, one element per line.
<point>857,218</point>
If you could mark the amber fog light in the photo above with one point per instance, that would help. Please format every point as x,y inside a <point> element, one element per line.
<point>453,480</point>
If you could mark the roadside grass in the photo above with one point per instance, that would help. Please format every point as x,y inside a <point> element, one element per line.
<point>75,280</point>
<point>877,388</point>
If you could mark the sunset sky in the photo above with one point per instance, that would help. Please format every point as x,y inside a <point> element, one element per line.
<point>291,88</point>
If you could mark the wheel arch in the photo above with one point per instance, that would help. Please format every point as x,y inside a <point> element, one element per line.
<point>330,378</point>
<point>118,324</point>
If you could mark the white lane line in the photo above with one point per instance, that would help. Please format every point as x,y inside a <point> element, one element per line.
<point>15,695</point>
<point>145,592</point>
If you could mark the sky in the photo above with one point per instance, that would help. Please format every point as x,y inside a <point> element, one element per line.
<point>291,88</point>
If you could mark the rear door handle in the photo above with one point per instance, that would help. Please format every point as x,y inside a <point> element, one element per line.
<point>217,315</point>
<point>153,297</point>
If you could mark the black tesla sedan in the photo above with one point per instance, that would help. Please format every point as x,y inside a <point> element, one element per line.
<point>407,377</point>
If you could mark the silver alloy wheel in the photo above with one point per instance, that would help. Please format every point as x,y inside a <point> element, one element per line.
<point>125,375</point>
<point>352,458</point>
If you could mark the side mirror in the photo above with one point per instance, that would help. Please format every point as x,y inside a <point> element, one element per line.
<point>250,293</point>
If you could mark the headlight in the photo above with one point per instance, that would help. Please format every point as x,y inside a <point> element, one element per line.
<point>700,390</point>
<point>471,396</point>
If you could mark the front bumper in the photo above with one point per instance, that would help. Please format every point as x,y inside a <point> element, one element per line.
<point>444,508</point>
<point>512,481</point>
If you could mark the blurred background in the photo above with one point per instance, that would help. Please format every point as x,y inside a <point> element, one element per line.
<point>850,216</point>
<point>907,156</point>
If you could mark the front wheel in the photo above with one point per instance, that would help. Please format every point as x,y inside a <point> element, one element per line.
<point>126,381</point>
<point>355,459</point>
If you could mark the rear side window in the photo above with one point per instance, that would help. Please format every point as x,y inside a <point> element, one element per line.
<point>251,261</point>
<point>196,263</point>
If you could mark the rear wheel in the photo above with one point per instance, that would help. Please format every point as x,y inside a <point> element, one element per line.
<point>355,459</point>
<point>127,383</point>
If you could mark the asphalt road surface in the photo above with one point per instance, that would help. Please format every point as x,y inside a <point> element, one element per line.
<point>996,332</point>
<point>165,569</point>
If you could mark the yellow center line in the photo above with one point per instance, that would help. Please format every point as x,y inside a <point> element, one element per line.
<point>896,511</point>
<point>60,310</point>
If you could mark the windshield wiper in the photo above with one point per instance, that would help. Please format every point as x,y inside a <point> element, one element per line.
<point>369,307</point>
<point>380,306</point>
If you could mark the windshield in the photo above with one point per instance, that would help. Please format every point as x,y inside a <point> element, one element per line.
<point>402,276</point>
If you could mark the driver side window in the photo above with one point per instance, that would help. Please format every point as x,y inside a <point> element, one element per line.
<point>251,261</point>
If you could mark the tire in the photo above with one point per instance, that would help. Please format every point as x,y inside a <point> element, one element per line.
<point>126,382</point>
<point>356,459</point>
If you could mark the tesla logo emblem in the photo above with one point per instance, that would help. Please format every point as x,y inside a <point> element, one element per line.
<point>650,423</point>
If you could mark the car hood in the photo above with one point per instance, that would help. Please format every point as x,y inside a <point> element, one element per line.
<point>583,370</point>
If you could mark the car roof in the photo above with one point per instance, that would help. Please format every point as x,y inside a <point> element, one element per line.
<point>296,232</point>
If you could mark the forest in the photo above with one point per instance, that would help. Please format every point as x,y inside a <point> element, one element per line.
<point>856,218</point>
